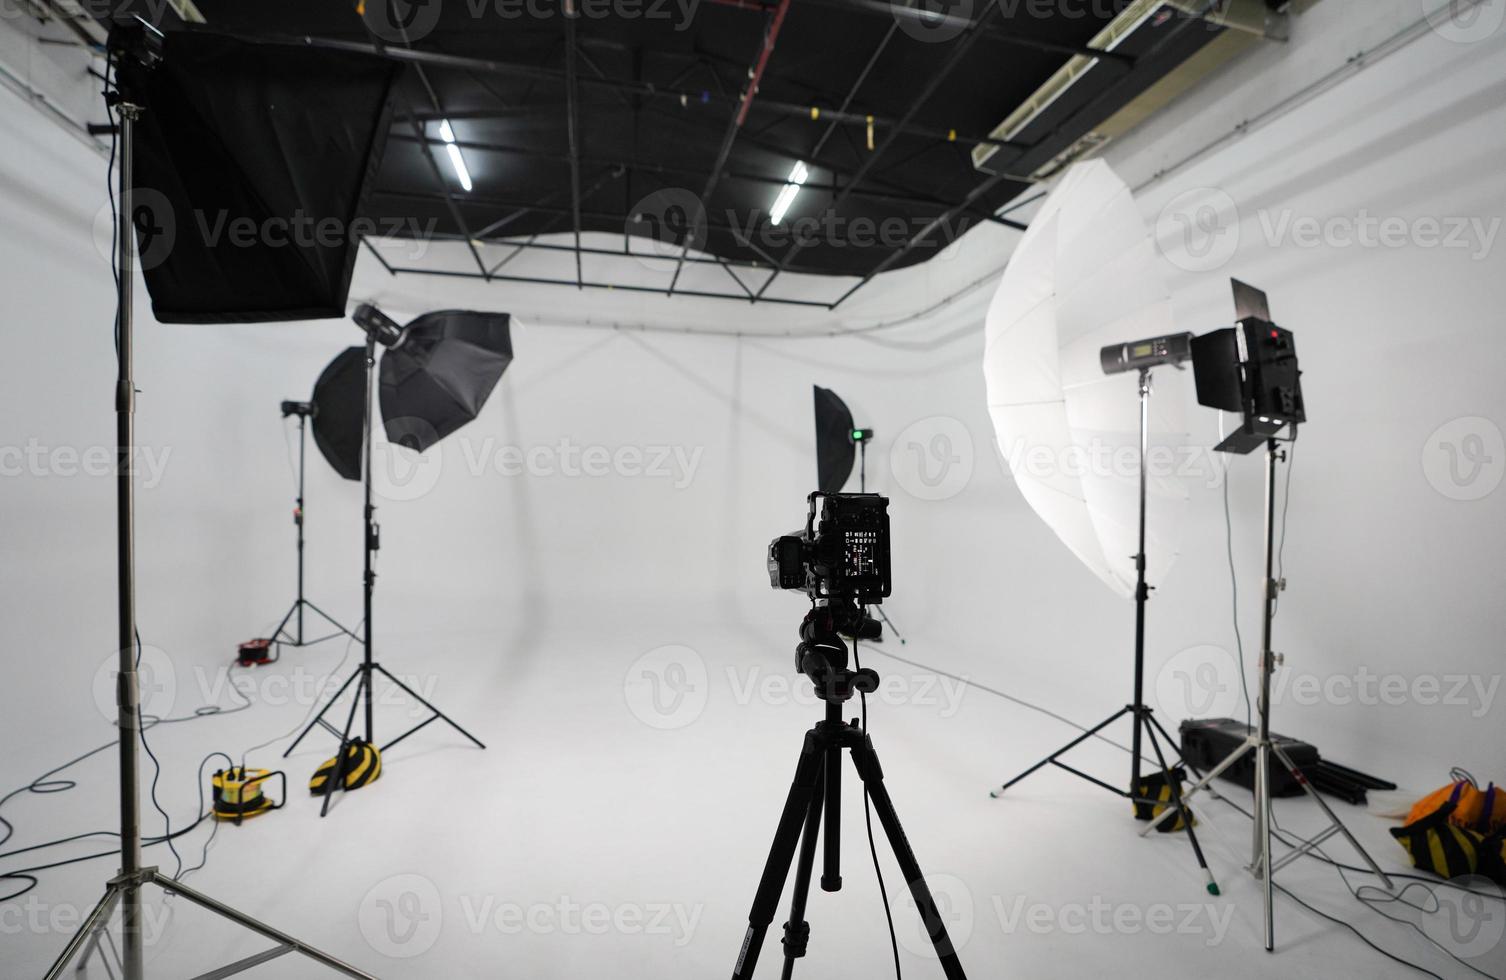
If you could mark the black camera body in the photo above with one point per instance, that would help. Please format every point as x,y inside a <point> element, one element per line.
<point>843,555</point>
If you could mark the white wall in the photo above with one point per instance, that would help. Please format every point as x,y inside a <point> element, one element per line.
<point>1388,575</point>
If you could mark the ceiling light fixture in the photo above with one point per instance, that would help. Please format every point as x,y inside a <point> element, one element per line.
<point>456,160</point>
<point>787,193</point>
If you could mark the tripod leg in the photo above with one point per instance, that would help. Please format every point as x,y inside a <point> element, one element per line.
<point>866,761</point>
<point>831,867</point>
<point>1328,812</point>
<point>1181,807</point>
<point>777,868</point>
<point>337,775</point>
<point>92,925</point>
<point>319,718</point>
<point>797,931</point>
<point>440,715</point>
<point>1061,751</point>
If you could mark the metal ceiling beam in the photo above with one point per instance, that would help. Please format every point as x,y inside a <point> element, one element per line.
<point>871,192</point>
<point>621,287</point>
<point>531,243</point>
<point>745,102</point>
<point>959,50</point>
<point>572,118</point>
<point>1193,17</point>
<point>506,204</point>
<point>1002,33</point>
<point>437,59</point>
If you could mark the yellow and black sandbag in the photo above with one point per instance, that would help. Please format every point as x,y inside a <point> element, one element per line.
<point>363,765</point>
<point>1155,786</point>
<point>1436,844</point>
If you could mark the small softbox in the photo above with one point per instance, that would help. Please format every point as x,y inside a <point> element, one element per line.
<point>252,165</point>
<point>835,450</point>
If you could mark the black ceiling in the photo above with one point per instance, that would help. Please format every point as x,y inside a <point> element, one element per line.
<point>652,100</point>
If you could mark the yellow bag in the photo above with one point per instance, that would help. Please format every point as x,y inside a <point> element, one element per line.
<point>1437,844</point>
<point>1155,786</point>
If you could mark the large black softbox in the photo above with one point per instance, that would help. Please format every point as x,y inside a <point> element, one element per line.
<point>252,165</point>
<point>834,446</point>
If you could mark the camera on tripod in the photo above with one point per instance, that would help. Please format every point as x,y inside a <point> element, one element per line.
<point>844,555</point>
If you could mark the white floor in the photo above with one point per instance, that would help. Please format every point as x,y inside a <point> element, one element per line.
<point>615,828</point>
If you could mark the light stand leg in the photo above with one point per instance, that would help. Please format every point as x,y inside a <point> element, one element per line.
<point>337,775</point>
<point>1050,760</point>
<point>890,623</point>
<point>260,928</point>
<point>1338,825</point>
<point>1179,805</point>
<point>88,932</point>
<point>437,714</point>
<point>319,718</point>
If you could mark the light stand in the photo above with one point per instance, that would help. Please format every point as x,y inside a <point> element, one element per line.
<point>863,437</point>
<point>124,890</point>
<point>1262,862</point>
<point>281,636</point>
<point>365,671</point>
<point>1147,727</point>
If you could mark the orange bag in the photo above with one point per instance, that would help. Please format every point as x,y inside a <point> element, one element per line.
<point>1483,811</point>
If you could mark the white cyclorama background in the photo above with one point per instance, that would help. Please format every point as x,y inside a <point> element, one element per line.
<point>535,606</point>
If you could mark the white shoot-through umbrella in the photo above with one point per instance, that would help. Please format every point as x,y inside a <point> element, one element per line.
<point>1084,276</point>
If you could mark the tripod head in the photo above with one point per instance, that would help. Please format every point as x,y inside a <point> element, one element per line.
<point>822,653</point>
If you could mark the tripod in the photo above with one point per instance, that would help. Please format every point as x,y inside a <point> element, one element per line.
<point>281,635</point>
<point>1262,864</point>
<point>817,793</point>
<point>124,890</point>
<point>365,672</point>
<point>1147,728</point>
